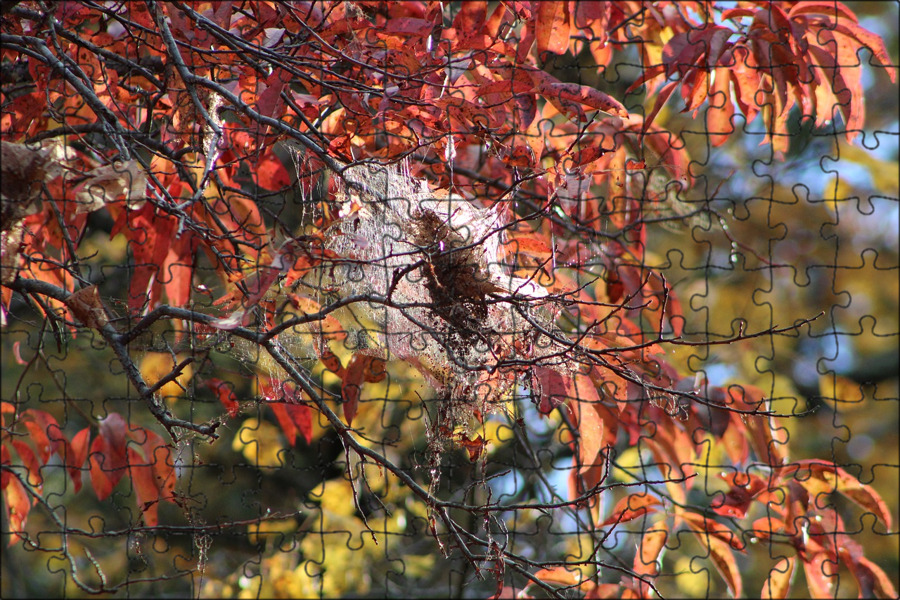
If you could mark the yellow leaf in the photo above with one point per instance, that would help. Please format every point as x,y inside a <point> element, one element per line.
<point>156,365</point>
<point>260,443</point>
<point>271,530</point>
<point>842,393</point>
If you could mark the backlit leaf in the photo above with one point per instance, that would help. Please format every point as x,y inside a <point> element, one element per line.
<point>552,26</point>
<point>778,583</point>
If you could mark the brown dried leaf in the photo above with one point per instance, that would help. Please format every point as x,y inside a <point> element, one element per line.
<point>88,308</point>
<point>107,183</point>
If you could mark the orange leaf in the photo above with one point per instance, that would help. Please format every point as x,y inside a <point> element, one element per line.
<point>331,361</point>
<point>177,270</point>
<point>706,527</point>
<point>16,506</point>
<point>646,558</point>
<point>530,245</point>
<point>559,575</point>
<point>475,446</point>
<point>565,576</point>
<point>723,558</point>
<point>721,109</point>
<point>778,584</point>
<point>551,26</point>
<point>820,583</point>
<point>751,398</point>
<point>39,425</point>
<point>329,326</point>
<point>877,583</point>
<point>766,527</point>
<point>631,507</point>
<point>590,424</point>
<point>838,480</point>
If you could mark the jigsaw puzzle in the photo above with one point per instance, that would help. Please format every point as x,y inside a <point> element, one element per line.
<point>450,299</point>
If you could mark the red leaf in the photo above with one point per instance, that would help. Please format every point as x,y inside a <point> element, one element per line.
<point>736,502</point>
<point>225,395</point>
<point>567,97</point>
<point>149,236</point>
<point>374,370</point>
<point>331,361</point>
<point>765,527</point>
<point>737,13</point>
<point>497,92</point>
<point>551,26</point>
<point>177,270</point>
<point>271,174</point>
<point>152,472</point>
<point>75,456</point>
<point>30,462</point>
<point>144,485</point>
<point>163,466</point>
<point>469,20</point>
<point>5,460</point>
<point>871,41</point>
<point>108,455</point>
<point>551,387</point>
<point>661,99</point>
<point>293,418</point>
<point>409,26</point>
<point>103,480</point>
<point>351,386</point>
<point>301,415</point>
<point>832,9</point>
<point>270,102</point>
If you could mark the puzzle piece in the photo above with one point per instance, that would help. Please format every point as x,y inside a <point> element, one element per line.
<point>452,299</point>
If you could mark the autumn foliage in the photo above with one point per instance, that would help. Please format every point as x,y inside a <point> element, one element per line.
<point>464,212</point>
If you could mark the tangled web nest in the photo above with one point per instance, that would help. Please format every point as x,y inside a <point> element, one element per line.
<point>453,310</point>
